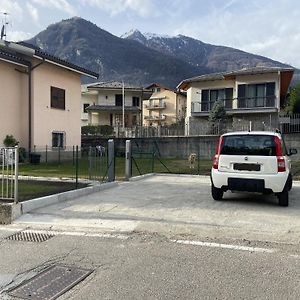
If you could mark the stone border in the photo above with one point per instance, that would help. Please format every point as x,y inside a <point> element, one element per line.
<point>11,211</point>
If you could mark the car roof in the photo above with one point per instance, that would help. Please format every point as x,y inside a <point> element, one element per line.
<point>251,133</point>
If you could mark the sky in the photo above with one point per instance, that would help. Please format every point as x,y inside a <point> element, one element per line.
<point>266,27</point>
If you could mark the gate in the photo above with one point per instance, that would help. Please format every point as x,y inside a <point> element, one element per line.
<point>97,161</point>
<point>146,158</point>
<point>9,161</point>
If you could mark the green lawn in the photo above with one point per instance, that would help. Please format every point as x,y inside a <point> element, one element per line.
<point>29,189</point>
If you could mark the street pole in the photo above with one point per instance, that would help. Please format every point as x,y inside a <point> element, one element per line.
<point>123,106</point>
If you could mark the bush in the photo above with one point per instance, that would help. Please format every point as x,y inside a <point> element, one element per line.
<point>100,130</point>
<point>10,141</point>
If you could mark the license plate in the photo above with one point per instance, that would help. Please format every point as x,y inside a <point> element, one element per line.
<point>246,167</point>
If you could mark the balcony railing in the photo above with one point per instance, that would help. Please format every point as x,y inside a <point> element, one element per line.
<point>237,104</point>
<point>153,106</point>
<point>155,118</point>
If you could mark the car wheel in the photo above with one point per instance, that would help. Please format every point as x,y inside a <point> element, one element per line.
<point>283,198</point>
<point>290,183</point>
<point>216,193</point>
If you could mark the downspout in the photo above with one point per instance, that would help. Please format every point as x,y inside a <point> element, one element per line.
<point>30,69</point>
<point>29,108</point>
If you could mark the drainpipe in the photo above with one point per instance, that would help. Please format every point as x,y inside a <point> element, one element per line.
<point>30,69</point>
<point>29,109</point>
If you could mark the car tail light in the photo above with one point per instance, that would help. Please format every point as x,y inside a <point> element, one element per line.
<point>278,146</point>
<point>216,162</point>
<point>280,159</point>
<point>281,164</point>
<point>216,157</point>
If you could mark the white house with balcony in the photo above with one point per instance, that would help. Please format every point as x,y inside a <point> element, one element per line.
<point>112,103</point>
<point>252,94</point>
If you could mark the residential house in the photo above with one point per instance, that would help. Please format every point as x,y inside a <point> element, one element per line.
<point>109,103</point>
<point>40,97</point>
<point>165,106</point>
<point>253,95</point>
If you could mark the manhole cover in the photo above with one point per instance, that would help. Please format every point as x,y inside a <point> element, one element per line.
<point>30,236</point>
<point>51,283</point>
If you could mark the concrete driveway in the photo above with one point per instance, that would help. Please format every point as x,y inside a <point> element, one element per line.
<point>174,205</point>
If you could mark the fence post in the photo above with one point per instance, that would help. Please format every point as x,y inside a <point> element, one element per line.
<point>111,160</point>
<point>59,155</point>
<point>128,162</point>
<point>90,162</point>
<point>16,194</point>
<point>76,168</point>
<point>46,154</point>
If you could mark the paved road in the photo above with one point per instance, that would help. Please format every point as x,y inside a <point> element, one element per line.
<point>142,266</point>
<point>175,205</point>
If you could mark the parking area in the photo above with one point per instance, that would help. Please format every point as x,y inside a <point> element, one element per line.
<point>174,205</point>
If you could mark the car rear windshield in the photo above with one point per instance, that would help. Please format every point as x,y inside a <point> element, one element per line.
<point>263,145</point>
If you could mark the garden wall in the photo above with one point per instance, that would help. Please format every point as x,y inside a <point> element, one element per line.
<point>179,147</point>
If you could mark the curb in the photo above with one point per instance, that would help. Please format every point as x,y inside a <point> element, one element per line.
<point>36,203</point>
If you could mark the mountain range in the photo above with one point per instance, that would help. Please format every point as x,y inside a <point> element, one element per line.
<point>140,59</point>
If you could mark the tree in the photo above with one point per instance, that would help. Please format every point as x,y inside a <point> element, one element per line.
<point>294,100</point>
<point>217,117</point>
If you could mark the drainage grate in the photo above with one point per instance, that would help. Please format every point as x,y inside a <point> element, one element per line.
<point>51,283</point>
<point>30,236</point>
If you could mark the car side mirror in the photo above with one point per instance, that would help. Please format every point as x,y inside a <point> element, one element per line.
<point>292,151</point>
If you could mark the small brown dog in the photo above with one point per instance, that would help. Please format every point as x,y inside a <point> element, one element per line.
<point>192,159</point>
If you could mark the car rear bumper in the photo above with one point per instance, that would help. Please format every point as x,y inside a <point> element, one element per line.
<point>249,183</point>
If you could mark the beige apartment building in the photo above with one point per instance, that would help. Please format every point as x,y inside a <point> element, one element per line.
<point>164,107</point>
<point>40,97</point>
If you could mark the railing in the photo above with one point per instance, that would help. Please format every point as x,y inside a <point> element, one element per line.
<point>152,106</point>
<point>236,104</point>
<point>9,163</point>
<point>289,123</point>
<point>155,118</point>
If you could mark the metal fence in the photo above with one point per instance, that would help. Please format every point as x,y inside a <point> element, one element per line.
<point>287,123</point>
<point>75,163</point>
<point>9,162</point>
<point>290,123</point>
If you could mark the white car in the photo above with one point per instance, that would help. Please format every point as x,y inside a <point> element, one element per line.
<point>254,161</point>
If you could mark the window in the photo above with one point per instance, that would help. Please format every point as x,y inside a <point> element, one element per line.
<point>85,106</point>
<point>136,101</point>
<point>209,97</point>
<point>263,145</point>
<point>256,95</point>
<point>58,139</point>
<point>119,100</point>
<point>57,98</point>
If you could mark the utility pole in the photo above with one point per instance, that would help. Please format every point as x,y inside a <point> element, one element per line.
<point>123,106</point>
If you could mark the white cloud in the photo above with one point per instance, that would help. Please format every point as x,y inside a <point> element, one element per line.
<point>268,29</point>
<point>17,36</point>
<point>33,12</point>
<point>12,8</point>
<point>62,5</point>
<point>143,8</point>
